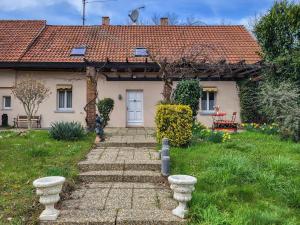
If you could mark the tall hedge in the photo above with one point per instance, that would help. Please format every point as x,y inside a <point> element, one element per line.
<point>249,102</point>
<point>174,122</point>
<point>188,92</point>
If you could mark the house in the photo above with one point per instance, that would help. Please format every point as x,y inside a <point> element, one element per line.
<point>70,59</point>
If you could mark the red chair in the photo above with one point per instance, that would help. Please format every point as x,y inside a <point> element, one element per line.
<point>226,124</point>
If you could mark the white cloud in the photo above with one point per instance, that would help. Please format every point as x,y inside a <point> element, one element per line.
<point>12,5</point>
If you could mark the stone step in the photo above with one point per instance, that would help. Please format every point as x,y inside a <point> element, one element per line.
<point>127,144</point>
<point>153,165</point>
<point>116,217</point>
<point>122,176</point>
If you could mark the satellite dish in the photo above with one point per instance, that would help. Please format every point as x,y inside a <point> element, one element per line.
<point>134,14</point>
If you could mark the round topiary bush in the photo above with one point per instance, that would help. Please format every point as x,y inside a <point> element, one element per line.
<point>174,122</point>
<point>68,131</point>
<point>105,107</point>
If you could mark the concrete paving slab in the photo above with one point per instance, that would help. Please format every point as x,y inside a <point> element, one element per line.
<point>94,199</point>
<point>147,217</point>
<point>121,184</point>
<point>144,199</point>
<point>95,217</point>
<point>119,199</point>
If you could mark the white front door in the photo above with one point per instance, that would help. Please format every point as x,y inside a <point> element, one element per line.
<point>135,110</point>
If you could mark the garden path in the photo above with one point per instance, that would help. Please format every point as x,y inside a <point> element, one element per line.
<point>121,184</point>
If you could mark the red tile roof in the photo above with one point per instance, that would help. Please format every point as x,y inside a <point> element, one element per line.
<point>117,43</point>
<point>16,36</point>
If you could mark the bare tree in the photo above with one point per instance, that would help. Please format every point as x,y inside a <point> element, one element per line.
<point>184,62</point>
<point>31,94</point>
<point>193,21</point>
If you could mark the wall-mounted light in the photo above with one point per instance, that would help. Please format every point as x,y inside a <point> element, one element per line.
<point>120,97</point>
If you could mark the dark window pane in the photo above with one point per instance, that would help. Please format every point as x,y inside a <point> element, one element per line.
<point>211,100</point>
<point>211,95</point>
<point>211,104</point>
<point>7,102</point>
<point>204,105</point>
<point>204,95</point>
<point>69,99</point>
<point>61,99</point>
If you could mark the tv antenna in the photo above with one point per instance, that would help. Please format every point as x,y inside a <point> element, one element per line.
<point>84,2</point>
<point>134,14</point>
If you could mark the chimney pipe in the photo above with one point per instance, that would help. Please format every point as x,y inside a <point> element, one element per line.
<point>105,20</point>
<point>164,21</point>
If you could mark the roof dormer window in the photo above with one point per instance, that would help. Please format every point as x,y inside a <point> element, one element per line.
<point>141,52</point>
<point>78,51</point>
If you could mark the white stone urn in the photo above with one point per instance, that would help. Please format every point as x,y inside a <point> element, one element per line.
<point>182,186</point>
<point>48,188</point>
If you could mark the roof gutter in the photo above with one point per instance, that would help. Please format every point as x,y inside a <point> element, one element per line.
<point>42,65</point>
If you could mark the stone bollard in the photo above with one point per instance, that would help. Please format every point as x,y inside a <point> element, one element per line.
<point>182,186</point>
<point>48,188</point>
<point>165,148</point>
<point>165,166</point>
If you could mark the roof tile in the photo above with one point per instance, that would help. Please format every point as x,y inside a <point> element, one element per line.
<point>117,43</point>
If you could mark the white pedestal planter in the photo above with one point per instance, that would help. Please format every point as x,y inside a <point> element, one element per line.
<point>48,188</point>
<point>182,186</point>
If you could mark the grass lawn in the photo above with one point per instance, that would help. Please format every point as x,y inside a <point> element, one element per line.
<point>252,179</point>
<point>25,158</point>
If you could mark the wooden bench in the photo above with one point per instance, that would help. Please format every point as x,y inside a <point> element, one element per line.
<point>24,119</point>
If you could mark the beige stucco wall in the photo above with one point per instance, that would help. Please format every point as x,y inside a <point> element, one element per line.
<point>113,89</point>
<point>48,109</point>
<point>227,97</point>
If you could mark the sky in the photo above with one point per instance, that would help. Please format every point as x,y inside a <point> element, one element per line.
<point>68,12</point>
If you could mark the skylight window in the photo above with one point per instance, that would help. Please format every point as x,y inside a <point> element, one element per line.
<point>141,52</point>
<point>78,51</point>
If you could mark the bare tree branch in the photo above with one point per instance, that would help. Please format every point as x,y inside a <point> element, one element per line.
<point>31,94</point>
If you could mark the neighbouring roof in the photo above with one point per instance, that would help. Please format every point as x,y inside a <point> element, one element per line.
<point>16,36</point>
<point>33,41</point>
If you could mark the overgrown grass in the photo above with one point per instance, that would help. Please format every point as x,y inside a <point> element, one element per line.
<point>25,158</point>
<point>252,179</point>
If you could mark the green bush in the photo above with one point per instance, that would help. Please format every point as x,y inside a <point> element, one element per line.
<point>214,136</point>
<point>249,102</point>
<point>69,131</point>
<point>188,92</point>
<point>263,128</point>
<point>197,128</point>
<point>105,107</point>
<point>174,122</point>
<point>281,104</point>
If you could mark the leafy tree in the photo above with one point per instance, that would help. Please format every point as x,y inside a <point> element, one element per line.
<point>188,92</point>
<point>105,107</point>
<point>31,94</point>
<point>278,33</point>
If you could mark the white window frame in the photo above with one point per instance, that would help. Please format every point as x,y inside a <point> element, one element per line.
<point>65,108</point>
<point>4,102</point>
<point>207,111</point>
